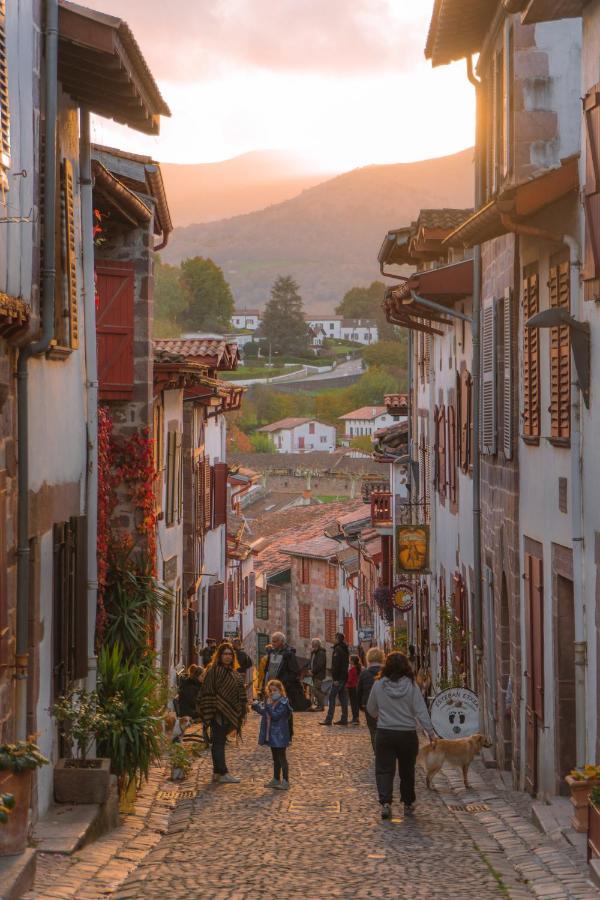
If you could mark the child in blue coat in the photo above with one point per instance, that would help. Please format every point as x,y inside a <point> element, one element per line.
<point>276,731</point>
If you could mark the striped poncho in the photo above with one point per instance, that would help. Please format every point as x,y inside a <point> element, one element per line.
<point>224,692</point>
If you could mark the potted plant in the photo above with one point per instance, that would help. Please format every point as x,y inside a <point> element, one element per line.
<point>17,762</point>
<point>581,782</point>
<point>81,721</point>
<point>7,804</point>
<point>181,761</point>
<point>593,841</point>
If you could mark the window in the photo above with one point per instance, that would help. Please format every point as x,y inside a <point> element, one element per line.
<point>261,642</point>
<point>311,428</point>
<point>219,478</point>
<point>531,357</point>
<point>560,357</point>
<point>115,289</point>
<point>331,326</point>
<point>323,438</point>
<point>330,625</point>
<point>66,309</point>
<point>304,620</point>
<point>305,570</point>
<point>331,575</point>
<point>262,605</point>
<point>70,640</point>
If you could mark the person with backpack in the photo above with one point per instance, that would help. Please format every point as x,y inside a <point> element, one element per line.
<point>340,661</point>
<point>276,731</point>
<point>352,685</point>
<point>375,660</point>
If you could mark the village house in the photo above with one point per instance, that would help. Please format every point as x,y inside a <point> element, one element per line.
<point>246,319</point>
<point>331,325</point>
<point>361,331</point>
<point>298,435</point>
<point>365,421</point>
<point>527,252</point>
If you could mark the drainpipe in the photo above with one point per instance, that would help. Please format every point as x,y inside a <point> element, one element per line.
<point>48,278</point>
<point>577,527</point>
<point>89,305</point>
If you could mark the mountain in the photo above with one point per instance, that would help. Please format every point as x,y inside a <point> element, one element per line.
<point>207,191</point>
<point>329,235</point>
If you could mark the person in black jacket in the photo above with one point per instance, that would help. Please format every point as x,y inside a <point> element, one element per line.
<point>208,651</point>
<point>244,661</point>
<point>189,691</point>
<point>340,662</point>
<point>375,661</point>
<point>318,671</point>
<point>282,665</point>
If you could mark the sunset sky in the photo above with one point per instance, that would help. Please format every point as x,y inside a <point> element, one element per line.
<point>339,84</point>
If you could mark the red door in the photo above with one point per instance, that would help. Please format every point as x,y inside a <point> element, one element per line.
<point>115,283</point>
<point>300,443</point>
<point>216,603</point>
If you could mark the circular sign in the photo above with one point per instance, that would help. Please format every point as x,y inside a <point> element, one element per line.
<point>403,598</point>
<point>455,713</point>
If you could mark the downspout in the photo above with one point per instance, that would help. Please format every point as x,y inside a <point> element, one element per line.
<point>577,525</point>
<point>48,278</point>
<point>89,306</point>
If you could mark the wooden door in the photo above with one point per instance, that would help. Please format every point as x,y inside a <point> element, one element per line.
<point>216,598</point>
<point>115,289</point>
<point>300,443</point>
<point>564,638</point>
<point>534,673</point>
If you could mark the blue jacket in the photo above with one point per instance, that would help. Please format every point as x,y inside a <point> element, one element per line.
<point>275,723</point>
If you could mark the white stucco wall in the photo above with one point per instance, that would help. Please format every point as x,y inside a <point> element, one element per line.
<point>562,41</point>
<point>287,440</point>
<point>358,427</point>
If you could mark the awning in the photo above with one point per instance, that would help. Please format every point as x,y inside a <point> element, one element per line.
<point>444,285</point>
<point>102,67</point>
<point>551,10</point>
<point>521,201</point>
<point>457,29</point>
<point>118,199</point>
<point>395,248</point>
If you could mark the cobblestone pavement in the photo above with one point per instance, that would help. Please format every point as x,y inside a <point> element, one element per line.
<point>324,838</point>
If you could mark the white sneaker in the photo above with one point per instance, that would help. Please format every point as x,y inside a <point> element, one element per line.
<point>283,786</point>
<point>229,779</point>
<point>272,783</point>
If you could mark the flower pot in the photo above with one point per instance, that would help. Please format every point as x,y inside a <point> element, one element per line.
<point>13,835</point>
<point>127,797</point>
<point>81,780</point>
<point>580,793</point>
<point>593,834</point>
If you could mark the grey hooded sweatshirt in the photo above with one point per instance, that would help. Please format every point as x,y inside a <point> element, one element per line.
<point>399,706</point>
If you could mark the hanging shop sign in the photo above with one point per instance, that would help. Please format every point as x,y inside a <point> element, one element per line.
<point>412,548</point>
<point>231,628</point>
<point>366,634</point>
<point>404,597</point>
<point>455,713</point>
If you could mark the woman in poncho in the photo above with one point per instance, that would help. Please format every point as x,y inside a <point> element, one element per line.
<point>223,706</point>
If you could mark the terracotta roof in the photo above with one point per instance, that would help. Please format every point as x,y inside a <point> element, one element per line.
<point>214,352</point>
<point>366,412</point>
<point>396,403</point>
<point>457,29</point>
<point>284,424</point>
<point>318,548</point>
<point>442,218</point>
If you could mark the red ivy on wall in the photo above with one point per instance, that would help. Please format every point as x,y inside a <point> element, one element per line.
<point>134,467</point>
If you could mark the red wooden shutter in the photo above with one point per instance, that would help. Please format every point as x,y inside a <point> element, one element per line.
<point>330,625</point>
<point>489,414</point>
<point>220,493</point>
<point>72,339</point>
<point>465,421</point>
<point>560,357</point>
<point>304,620</point>
<point>531,360</point>
<point>171,482</point>
<point>114,329</point>
<point>452,453</point>
<point>4,100</point>
<point>230,598</point>
<point>199,495</point>
<point>207,495</point>
<point>507,381</point>
<point>216,598</point>
<point>591,106</point>
<point>441,432</point>
<point>348,629</point>
<point>436,470</point>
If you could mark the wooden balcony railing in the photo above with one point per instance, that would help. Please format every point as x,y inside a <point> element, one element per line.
<point>381,508</point>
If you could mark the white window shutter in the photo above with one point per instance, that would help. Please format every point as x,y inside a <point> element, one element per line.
<point>488,379</point>
<point>507,385</point>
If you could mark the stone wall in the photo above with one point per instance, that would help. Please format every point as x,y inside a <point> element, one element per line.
<point>319,596</point>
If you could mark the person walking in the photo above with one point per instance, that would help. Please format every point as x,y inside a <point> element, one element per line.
<point>276,731</point>
<point>189,692</point>
<point>339,673</point>
<point>283,665</point>
<point>375,660</point>
<point>397,704</point>
<point>318,671</point>
<point>352,685</point>
<point>222,706</point>
<point>208,651</point>
<point>244,661</point>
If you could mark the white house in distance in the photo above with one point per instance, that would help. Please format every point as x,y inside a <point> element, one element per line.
<point>294,435</point>
<point>331,325</point>
<point>362,331</point>
<point>366,421</point>
<point>246,318</point>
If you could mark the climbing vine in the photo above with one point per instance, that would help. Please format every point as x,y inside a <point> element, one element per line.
<point>455,640</point>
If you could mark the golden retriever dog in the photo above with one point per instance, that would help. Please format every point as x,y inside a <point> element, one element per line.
<point>459,753</point>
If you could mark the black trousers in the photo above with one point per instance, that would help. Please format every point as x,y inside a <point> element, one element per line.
<point>353,695</point>
<point>280,763</point>
<point>372,726</point>
<point>218,736</point>
<point>391,748</point>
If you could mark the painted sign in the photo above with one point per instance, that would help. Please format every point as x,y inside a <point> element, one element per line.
<point>231,628</point>
<point>403,597</point>
<point>455,713</point>
<point>366,634</point>
<point>412,548</point>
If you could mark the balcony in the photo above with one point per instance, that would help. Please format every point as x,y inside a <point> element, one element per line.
<point>381,509</point>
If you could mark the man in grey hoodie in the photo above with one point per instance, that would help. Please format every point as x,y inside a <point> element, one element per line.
<point>397,703</point>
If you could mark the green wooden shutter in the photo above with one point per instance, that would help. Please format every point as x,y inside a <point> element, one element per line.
<point>488,380</point>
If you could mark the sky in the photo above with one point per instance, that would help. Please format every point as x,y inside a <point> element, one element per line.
<point>337,83</point>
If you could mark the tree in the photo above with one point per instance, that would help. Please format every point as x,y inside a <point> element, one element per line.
<point>372,386</point>
<point>169,301</point>
<point>283,322</point>
<point>391,356</point>
<point>209,301</point>
<point>366,303</point>
<point>262,443</point>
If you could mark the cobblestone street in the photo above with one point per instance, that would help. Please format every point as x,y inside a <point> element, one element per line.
<point>322,839</point>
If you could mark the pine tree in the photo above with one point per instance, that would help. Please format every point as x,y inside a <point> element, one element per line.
<point>283,322</point>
